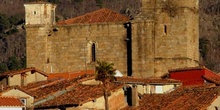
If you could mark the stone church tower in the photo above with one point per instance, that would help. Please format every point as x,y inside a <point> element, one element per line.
<point>166,35</point>
<point>39,19</point>
<point>163,36</point>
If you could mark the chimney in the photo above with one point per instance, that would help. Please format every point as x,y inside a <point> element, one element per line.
<point>135,99</point>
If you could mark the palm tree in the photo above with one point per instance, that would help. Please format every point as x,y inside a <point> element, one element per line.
<point>105,73</point>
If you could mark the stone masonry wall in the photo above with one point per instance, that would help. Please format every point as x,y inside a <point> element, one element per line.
<point>40,13</point>
<point>36,48</point>
<point>164,36</point>
<point>173,40</point>
<point>143,48</point>
<point>67,49</point>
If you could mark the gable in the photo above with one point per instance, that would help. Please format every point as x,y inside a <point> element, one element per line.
<point>22,71</point>
<point>215,104</point>
<point>99,16</point>
<point>15,93</point>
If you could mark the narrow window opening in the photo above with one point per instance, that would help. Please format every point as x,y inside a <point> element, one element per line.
<point>52,16</point>
<point>93,52</point>
<point>48,60</point>
<point>165,29</point>
<point>35,12</point>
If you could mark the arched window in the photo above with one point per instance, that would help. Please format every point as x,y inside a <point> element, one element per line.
<point>93,54</point>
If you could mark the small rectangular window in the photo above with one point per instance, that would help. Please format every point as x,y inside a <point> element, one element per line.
<point>159,89</point>
<point>93,52</point>
<point>165,29</point>
<point>35,12</point>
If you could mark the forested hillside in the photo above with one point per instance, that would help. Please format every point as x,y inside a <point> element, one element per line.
<point>12,32</point>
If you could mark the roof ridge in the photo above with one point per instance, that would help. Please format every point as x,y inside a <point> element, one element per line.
<point>92,15</point>
<point>187,68</point>
<point>23,70</point>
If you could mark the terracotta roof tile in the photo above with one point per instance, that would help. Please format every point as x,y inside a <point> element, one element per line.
<point>184,98</point>
<point>99,16</point>
<point>14,72</point>
<point>10,101</point>
<point>69,75</point>
<point>40,84</point>
<point>206,74</point>
<point>79,95</point>
<point>40,91</point>
<point>187,69</point>
<point>212,78</point>
<point>146,80</point>
<point>8,88</point>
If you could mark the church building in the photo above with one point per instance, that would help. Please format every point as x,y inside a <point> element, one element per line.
<point>165,35</point>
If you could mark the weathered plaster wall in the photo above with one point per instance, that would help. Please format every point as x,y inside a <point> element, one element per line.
<point>14,80</point>
<point>20,94</point>
<point>116,102</point>
<point>215,104</point>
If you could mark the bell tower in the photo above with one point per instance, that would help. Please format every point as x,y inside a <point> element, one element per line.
<point>40,13</point>
<point>175,35</point>
<point>39,19</point>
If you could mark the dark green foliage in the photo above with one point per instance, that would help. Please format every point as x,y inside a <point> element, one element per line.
<point>4,23</point>
<point>13,63</point>
<point>3,67</point>
<point>78,0</point>
<point>23,62</point>
<point>1,36</point>
<point>57,18</point>
<point>53,1</point>
<point>104,71</point>
<point>210,64</point>
<point>99,3</point>
<point>12,31</point>
<point>203,47</point>
<point>15,20</point>
<point>7,24</point>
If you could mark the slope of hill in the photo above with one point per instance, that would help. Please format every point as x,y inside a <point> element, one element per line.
<point>209,24</point>
<point>210,33</point>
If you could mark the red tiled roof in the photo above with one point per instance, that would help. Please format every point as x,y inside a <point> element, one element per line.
<point>40,84</point>
<point>10,101</point>
<point>40,91</point>
<point>186,69</point>
<point>8,88</point>
<point>146,80</point>
<point>79,95</point>
<point>69,75</point>
<point>15,72</point>
<point>99,16</point>
<point>199,76</point>
<point>212,77</point>
<point>184,98</point>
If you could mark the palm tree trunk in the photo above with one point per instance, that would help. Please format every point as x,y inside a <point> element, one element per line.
<point>106,99</point>
<point>105,95</point>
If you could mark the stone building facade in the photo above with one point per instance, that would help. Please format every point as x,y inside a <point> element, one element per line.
<point>163,36</point>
